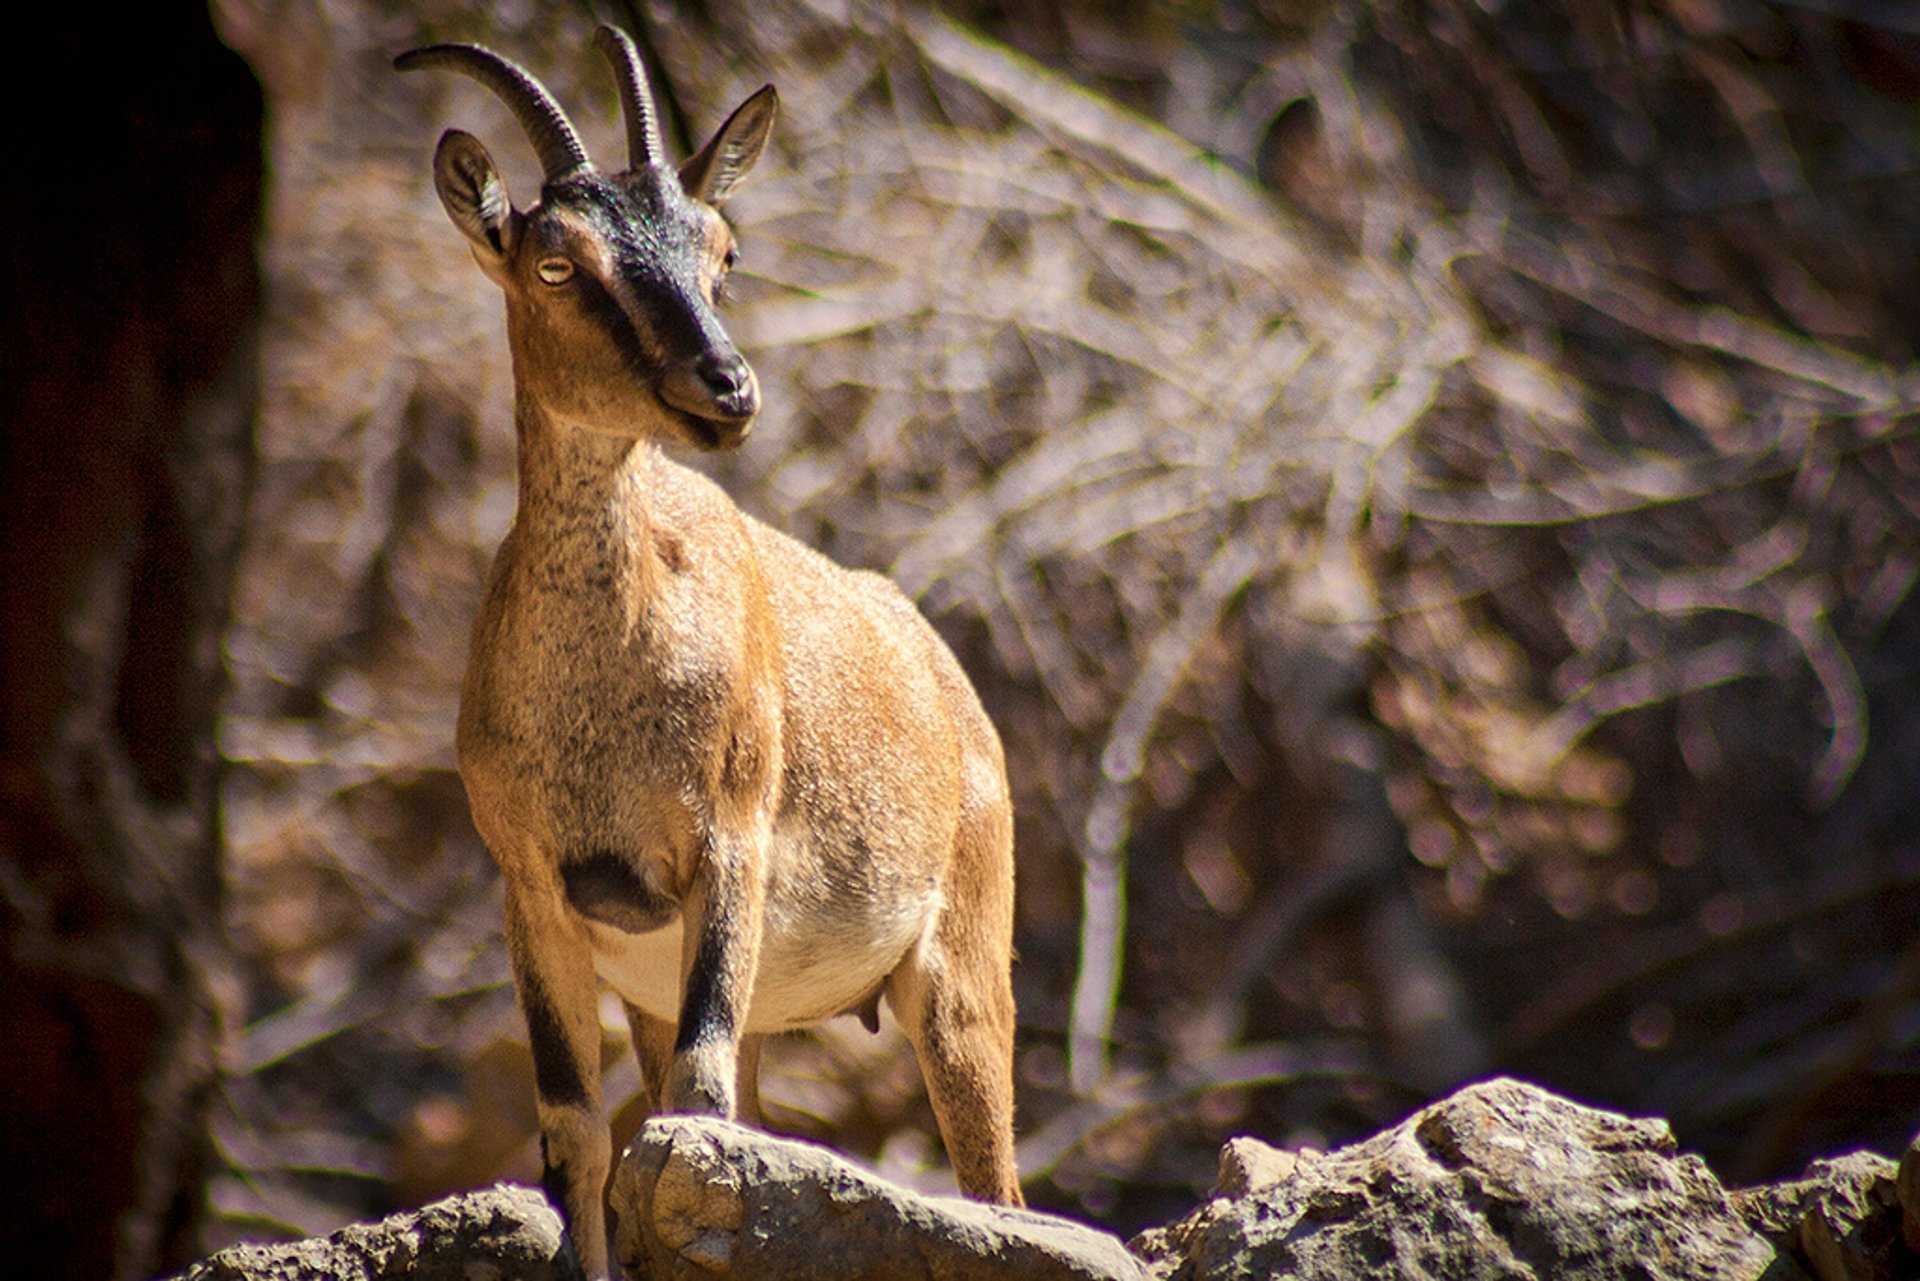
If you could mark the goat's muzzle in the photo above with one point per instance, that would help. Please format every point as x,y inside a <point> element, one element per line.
<point>719,391</point>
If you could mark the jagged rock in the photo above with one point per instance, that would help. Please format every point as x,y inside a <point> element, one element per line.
<point>500,1232</point>
<point>1841,1219</point>
<point>1501,1180</point>
<point>1906,1186</point>
<point>1846,1231</point>
<point>700,1197</point>
<point>1247,1165</point>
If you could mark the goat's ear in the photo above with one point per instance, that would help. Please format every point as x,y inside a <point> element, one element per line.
<point>720,165</point>
<point>474,195</point>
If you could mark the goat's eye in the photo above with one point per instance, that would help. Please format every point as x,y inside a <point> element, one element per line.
<point>727,263</point>
<point>556,271</point>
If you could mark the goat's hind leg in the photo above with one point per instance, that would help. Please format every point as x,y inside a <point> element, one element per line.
<point>746,1101</point>
<point>954,997</point>
<point>653,1050</point>
<point>959,1016</point>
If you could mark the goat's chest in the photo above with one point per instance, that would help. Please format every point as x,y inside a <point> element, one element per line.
<point>587,719</point>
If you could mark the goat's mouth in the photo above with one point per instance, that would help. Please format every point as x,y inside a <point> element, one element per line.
<point>715,435</point>
<point>718,410</point>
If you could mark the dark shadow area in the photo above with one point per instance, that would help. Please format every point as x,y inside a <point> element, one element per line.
<point>128,293</point>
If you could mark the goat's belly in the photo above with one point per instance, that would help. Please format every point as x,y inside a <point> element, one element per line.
<point>643,968</point>
<point>810,969</point>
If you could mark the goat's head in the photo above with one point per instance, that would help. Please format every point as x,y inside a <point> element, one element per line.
<point>611,279</point>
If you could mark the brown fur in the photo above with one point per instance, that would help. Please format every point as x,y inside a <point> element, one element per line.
<point>746,787</point>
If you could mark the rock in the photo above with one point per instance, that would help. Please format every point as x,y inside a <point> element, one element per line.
<point>1247,1165</point>
<point>500,1233</point>
<point>701,1197</point>
<point>1501,1180</point>
<point>1906,1186</point>
<point>1844,1233</point>
<point>1841,1219</point>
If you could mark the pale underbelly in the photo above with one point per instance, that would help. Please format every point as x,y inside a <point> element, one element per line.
<point>804,975</point>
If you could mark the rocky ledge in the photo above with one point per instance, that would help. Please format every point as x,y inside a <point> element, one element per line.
<point>1500,1180</point>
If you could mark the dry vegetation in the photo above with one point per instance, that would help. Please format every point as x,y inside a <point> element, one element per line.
<point>1429,492</point>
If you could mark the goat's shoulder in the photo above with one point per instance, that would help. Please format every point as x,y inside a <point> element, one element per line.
<point>695,525</point>
<point>814,594</point>
<point>853,640</point>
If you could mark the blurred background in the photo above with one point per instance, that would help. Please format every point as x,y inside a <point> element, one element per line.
<point>1428,490</point>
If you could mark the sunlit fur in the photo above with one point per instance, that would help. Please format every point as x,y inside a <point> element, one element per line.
<point>745,787</point>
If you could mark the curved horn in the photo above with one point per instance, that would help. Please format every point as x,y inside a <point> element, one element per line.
<point>636,102</point>
<point>546,124</point>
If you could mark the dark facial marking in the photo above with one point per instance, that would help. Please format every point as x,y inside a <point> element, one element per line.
<point>657,240</point>
<point>613,320</point>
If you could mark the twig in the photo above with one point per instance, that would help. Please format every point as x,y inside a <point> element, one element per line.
<point>1042,1151</point>
<point>1096,988</point>
<point>1872,386</point>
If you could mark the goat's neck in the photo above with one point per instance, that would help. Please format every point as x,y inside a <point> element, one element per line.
<point>584,511</point>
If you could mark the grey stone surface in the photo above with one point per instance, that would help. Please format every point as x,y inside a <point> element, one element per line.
<point>1907,1189</point>
<point>1501,1180</point>
<point>502,1233</point>
<point>1841,1219</point>
<point>700,1197</point>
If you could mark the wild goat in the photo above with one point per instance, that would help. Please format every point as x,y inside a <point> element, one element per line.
<point>748,788</point>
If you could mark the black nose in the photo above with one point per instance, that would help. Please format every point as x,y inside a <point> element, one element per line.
<point>717,385</point>
<point>725,375</point>
<point>730,382</point>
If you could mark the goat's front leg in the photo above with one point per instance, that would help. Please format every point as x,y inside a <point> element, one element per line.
<point>722,915</point>
<point>553,971</point>
<point>653,1047</point>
